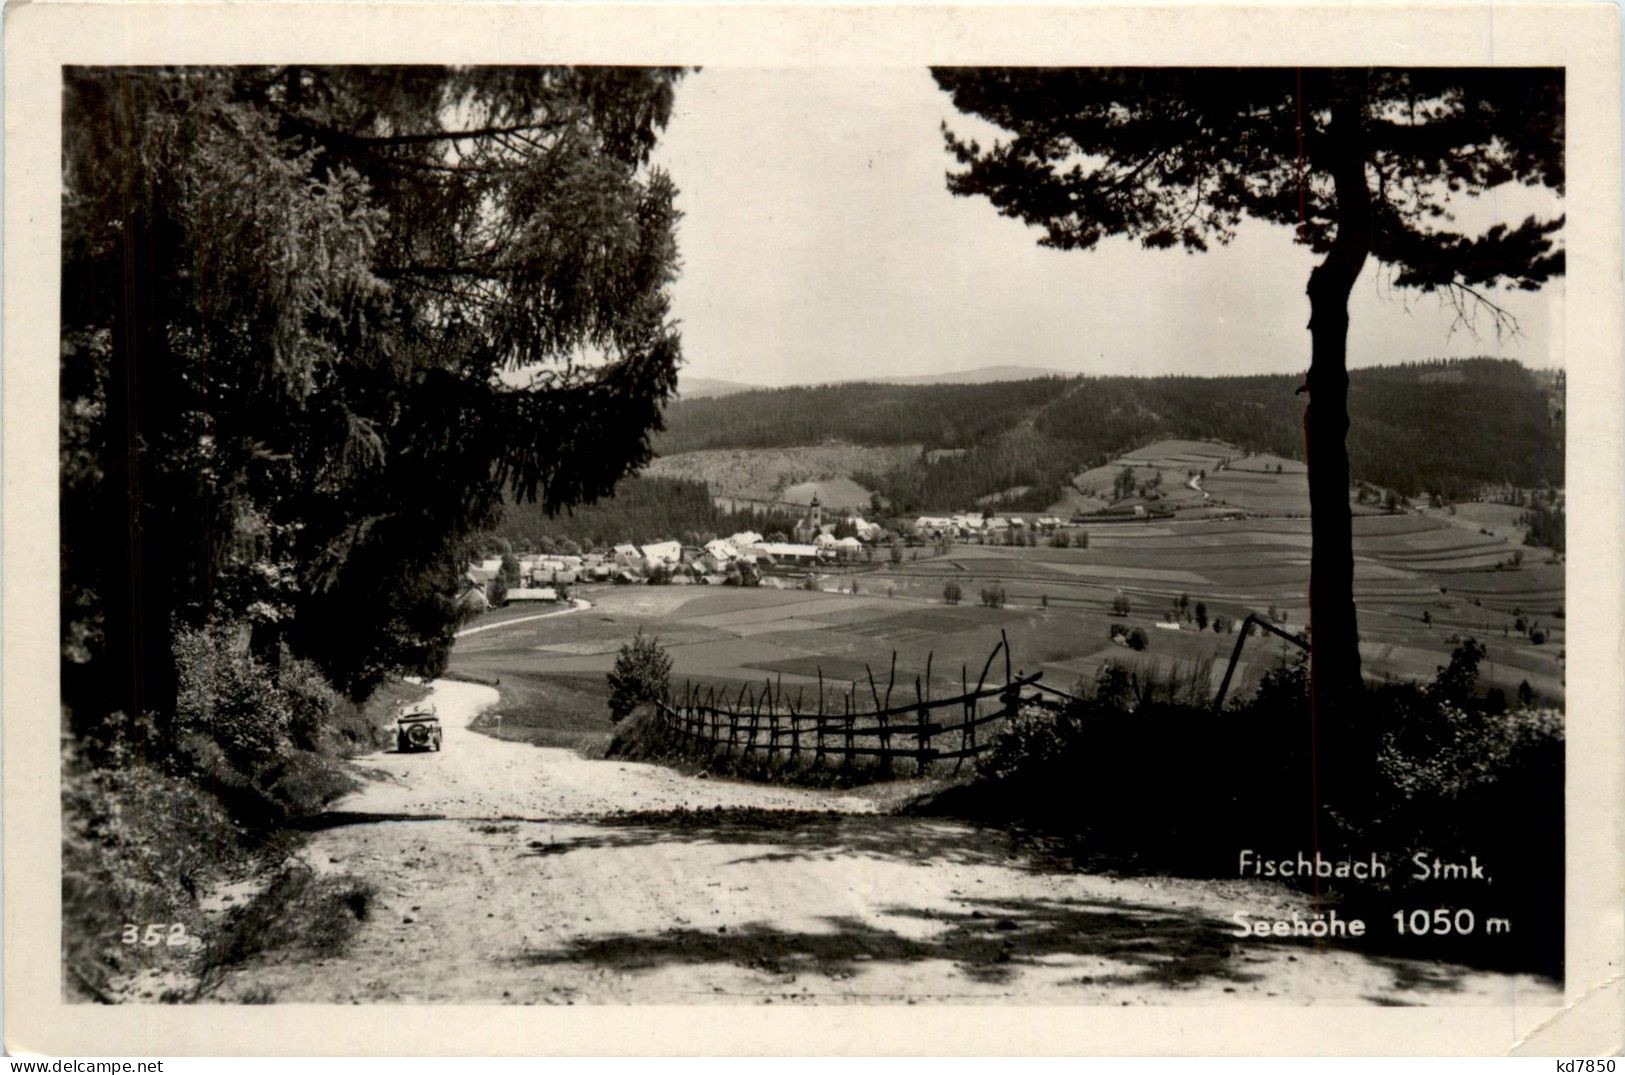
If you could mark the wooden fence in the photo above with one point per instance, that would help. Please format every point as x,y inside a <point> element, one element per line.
<point>832,727</point>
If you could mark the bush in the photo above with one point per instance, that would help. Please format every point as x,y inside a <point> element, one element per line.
<point>993,596</point>
<point>311,701</point>
<point>642,673</point>
<point>229,698</point>
<point>952,594</point>
<point>1137,639</point>
<point>137,845</point>
<point>1120,605</point>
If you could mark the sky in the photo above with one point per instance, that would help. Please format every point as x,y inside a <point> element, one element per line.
<point>819,243</point>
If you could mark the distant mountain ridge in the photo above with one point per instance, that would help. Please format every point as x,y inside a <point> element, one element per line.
<point>710,387</point>
<point>980,375</point>
<point>1452,427</point>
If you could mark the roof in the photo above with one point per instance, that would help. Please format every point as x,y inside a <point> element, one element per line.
<point>662,550</point>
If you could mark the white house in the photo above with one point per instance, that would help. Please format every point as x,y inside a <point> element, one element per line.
<point>627,556</point>
<point>719,554</point>
<point>786,552</point>
<point>662,552</point>
<point>743,539</point>
<point>849,548</point>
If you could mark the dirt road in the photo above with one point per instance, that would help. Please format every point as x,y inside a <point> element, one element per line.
<point>510,873</point>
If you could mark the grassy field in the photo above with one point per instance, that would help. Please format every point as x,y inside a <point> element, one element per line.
<point>1423,581</point>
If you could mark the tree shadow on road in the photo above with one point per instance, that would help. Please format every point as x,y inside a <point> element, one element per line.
<point>989,941</point>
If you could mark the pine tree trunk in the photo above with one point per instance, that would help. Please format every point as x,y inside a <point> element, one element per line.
<point>1334,639</point>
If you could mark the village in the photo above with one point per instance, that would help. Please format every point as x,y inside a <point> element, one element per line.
<point>747,558</point>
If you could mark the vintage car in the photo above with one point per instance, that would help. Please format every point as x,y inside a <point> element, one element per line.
<point>419,730</point>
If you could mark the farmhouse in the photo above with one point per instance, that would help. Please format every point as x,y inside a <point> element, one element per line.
<point>849,548</point>
<point>719,554</point>
<point>554,573</point>
<point>784,552</point>
<point>627,556</point>
<point>482,578</point>
<point>539,593</point>
<point>662,552</point>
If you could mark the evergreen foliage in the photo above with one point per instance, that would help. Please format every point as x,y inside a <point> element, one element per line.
<point>317,322</point>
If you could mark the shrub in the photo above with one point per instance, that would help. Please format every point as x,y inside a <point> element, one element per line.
<point>1120,605</point>
<point>1434,770</point>
<point>642,673</point>
<point>298,911</point>
<point>1061,539</point>
<point>229,698</point>
<point>311,701</point>
<point>1137,639</point>
<point>137,845</point>
<point>993,596</point>
<point>951,593</point>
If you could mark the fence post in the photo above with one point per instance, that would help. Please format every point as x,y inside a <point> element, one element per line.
<point>755,723</point>
<point>818,725</point>
<point>924,715</point>
<point>850,756</point>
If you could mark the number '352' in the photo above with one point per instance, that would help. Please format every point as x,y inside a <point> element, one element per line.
<point>154,934</point>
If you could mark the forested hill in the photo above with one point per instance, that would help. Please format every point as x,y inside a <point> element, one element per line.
<point>1450,426</point>
<point>860,412</point>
